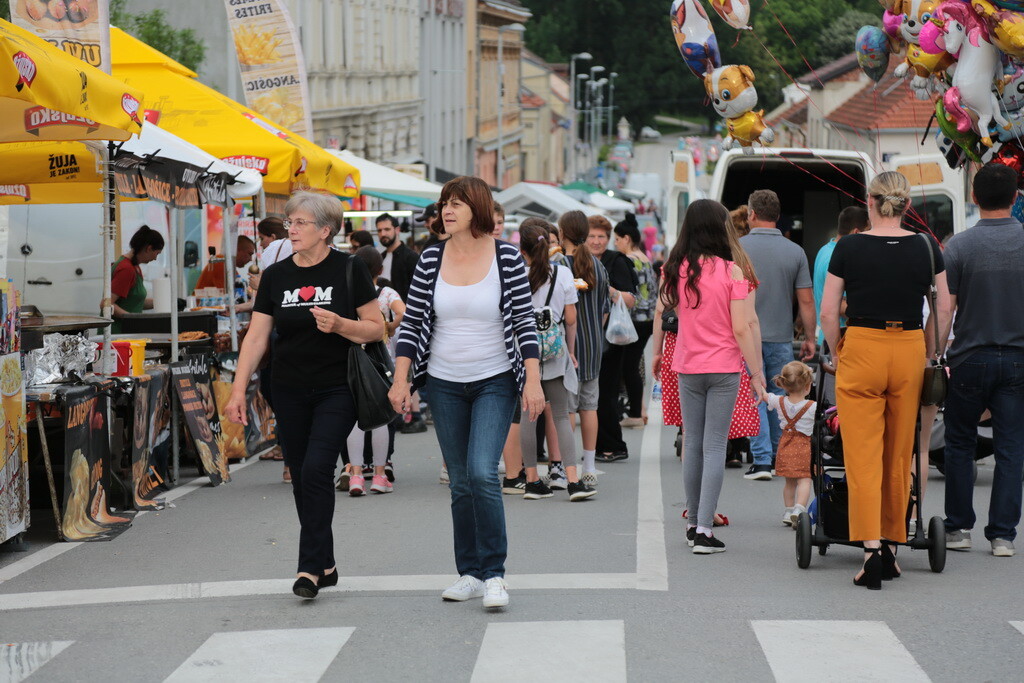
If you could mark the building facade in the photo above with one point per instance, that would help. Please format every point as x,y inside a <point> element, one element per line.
<point>443,55</point>
<point>544,99</point>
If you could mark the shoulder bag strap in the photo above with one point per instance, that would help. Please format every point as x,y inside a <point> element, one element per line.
<point>350,309</point>
<point>551,287</point>
<point>932,291</point>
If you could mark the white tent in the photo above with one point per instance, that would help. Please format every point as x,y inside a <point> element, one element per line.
<point>610,205</point>
<point>380,181</point>
<point>541,200</point>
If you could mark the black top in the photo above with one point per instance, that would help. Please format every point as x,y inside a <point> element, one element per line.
<point>886,278</point>
<point>621,274</point>
<point>302,355</point>
<point>403,263</point>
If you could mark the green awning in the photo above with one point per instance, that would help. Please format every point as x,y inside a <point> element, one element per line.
<point>580,185</point>
<point>400,198</point>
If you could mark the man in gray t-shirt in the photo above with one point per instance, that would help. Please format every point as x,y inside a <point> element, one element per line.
<point>781,268</point>
<point>985,274</point>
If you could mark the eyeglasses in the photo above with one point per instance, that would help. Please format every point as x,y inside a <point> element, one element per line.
<point>298,222</point>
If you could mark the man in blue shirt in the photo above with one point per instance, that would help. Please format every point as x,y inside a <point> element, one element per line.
<point>852,219</point>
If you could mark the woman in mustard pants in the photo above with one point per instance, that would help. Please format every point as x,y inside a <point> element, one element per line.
<point>885,273</point>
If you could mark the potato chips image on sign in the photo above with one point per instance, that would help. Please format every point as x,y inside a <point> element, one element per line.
<point>276,106</point>
<point>10,375</point>
<point>256,48</point>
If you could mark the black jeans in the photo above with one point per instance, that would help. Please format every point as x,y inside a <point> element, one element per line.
<point>312,425</point>
<point>609,431</point>
<point>632,367</point>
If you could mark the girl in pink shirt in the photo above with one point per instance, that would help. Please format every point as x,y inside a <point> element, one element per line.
<point>709,293</point>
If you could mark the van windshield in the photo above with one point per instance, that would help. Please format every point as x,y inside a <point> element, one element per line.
<point>935,211</point>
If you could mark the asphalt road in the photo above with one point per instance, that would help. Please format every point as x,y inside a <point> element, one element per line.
<point>604,590</point>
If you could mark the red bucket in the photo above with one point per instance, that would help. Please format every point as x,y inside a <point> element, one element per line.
<point>122,358</point>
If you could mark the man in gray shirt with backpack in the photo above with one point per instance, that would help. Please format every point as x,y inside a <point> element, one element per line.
<point>985,273</point>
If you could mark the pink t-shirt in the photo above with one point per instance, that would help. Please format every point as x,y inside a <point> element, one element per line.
<point>706,342</point>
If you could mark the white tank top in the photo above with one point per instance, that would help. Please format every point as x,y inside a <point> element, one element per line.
<point>468,339</point>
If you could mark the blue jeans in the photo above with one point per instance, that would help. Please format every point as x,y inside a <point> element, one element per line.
<point>472,420</point>
<point>766,443</point>
<point>993,378</point>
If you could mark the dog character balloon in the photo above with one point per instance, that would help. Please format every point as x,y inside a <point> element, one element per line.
<point>732,93</point>
<point>736,13</point>
<point>695,37</point>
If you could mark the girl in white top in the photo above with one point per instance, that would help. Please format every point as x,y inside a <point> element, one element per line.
<point>796,415</point>
<point>554,299</point>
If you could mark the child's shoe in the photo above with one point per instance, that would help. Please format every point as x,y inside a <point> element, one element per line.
<point>787,517</point>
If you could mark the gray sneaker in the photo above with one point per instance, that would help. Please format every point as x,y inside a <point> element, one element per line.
<point>1002,547</point>
<point>590,479</point>
<point>959,539</point>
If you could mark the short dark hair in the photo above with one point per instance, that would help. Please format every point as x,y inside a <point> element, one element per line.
<point>765,205</point>
<point>361,238</point>
<point>477,194</point>
<point>387,217</point>
<point>852,218</point>
<point>995,187</point>
<point>372,258</point>
<point>499,209</point>
<point>598,222</point>
<point>272,226</point>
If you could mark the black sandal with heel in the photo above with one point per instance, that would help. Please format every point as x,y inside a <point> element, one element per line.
<point>890,570</point>
<point>871,576</point>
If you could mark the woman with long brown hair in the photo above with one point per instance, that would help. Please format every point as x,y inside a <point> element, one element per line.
<point>709,291</point>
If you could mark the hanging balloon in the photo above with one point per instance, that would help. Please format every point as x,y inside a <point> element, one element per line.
<point>1011,103</point>
<point>695,37</point>
<point>736,13</point>
<point>916,14</point>
<point>1015,5</point>
<point>967,140</point>
<point>891,24</point>
<point>732,93</point>
<point>1018,209</point>
<point>1005,25</point>
<point>872,47</point>
<point>1011,156</point>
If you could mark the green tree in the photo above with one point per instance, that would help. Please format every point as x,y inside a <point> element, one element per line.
<point>152,28</point>
<point>5,9</point>
<point>839,36</point>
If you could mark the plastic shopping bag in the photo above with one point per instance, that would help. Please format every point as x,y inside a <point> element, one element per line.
<point>621,331</point>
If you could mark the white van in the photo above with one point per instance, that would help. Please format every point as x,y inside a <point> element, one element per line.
<point>815,185</point>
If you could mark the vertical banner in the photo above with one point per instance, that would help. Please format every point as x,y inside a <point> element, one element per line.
<point>14,511</point>
<point>271,62</point>
<point>195,407</point>
<point>79,27</point>
<point>148,408</point>
<point>87,514</point>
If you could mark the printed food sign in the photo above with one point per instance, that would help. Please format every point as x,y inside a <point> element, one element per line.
<point>79,27</point>
<point>270,60</point>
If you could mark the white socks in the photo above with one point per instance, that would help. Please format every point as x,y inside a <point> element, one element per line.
<point>589,465</point>
<point>704,530</point>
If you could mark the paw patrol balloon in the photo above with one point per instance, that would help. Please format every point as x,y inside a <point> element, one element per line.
<point>736,13</point>
<point>732,93</point>
<point>695,37</point>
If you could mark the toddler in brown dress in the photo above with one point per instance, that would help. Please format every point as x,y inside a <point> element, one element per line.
<point>796,415</point>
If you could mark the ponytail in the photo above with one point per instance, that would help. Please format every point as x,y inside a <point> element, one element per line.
<point>575,228</point>
<point>533,241</point>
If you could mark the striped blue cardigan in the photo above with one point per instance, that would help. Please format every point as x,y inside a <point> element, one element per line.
<point>516,310</point>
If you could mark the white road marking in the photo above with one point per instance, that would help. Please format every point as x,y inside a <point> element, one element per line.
<point>280,655</point>
<point>233,589</point>
<point>1019,625</point>
<point>57,549</point>
<point>18,661</point>
<point>508,652</point>
<point>651,555</point>
<point>816,651</point>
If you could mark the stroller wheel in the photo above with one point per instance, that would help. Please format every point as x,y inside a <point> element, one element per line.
<point>803,541</point>
<point>822,549</point>
<point>936,544</point>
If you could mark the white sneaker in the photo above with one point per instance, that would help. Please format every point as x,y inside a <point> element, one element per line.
<point>590,479</point>
<point>787,517</point>
<point>465,588</point>
<point>794,518</point>
<point>495,592</point>
<point>444,476</point>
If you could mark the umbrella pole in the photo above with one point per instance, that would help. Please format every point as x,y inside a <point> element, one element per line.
<point>107,233</point>
<point>229,273</point>
<point>172,257</point>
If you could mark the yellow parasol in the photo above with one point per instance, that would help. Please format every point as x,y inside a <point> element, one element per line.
<point>51,173</point>
<point>182,105</point>
<point>46,94</point>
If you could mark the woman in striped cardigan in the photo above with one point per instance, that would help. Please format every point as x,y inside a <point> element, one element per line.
<point>469,336</point>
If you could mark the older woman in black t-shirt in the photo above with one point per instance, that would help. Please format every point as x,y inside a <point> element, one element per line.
<point>304,299</point>
<point>885,273</point>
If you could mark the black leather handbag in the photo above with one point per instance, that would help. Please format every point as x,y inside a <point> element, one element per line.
<point>370,373</point>
<point>936,379</point>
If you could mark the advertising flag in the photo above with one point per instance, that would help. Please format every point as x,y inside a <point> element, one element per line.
<point>79,27</point>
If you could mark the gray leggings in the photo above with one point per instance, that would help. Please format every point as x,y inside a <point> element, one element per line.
<point>558,397</point>
<point>707,402</point>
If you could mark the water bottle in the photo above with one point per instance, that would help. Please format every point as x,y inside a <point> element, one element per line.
<point>656,392</point>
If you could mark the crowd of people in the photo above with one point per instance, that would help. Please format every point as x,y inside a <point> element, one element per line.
<point>503,348</point>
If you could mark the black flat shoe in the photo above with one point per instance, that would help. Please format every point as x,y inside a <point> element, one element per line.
<point>890,570</point>
<point>328,580</point>
<point>304,588</point>
<point>871,576</point>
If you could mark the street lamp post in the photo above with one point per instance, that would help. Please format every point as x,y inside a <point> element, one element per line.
<point>517,28</point>
<point>611,106</point>
<point>595,120</point>
<point>586,56</point>
<point>593,112</point>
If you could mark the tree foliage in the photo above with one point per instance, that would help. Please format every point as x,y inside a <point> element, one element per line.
<point>634,38</point>
<point>152,28</point>
<point>839,37</point>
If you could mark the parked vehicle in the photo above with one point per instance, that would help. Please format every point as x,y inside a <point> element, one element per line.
<point>649,134</point>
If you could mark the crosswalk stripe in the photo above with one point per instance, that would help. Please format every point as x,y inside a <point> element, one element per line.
<point>597,654</point>
<point>1019,625</point>
<point>18,661</point>
<point>292,655</point>
<point>816,651</point>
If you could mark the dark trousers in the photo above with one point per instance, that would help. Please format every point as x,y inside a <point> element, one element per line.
<point>312,425</point>
<point>993,378</point>
<point>609,431</point>
<point>633,369</point>
<point>472,420</point>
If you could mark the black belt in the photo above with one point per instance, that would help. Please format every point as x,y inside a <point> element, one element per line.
<point>884,324</point>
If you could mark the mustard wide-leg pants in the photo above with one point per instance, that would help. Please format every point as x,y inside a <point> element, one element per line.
<point>878,393</point>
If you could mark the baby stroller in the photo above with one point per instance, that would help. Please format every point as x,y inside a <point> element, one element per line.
<point>831,504</point>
